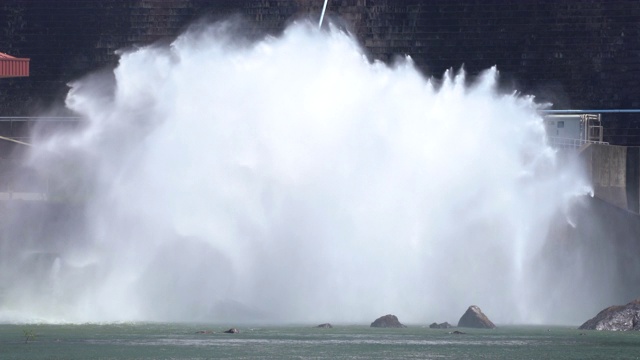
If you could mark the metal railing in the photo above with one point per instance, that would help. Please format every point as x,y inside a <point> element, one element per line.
<point>24,196</point>
<point>571,144</point>
<point>38,118</point>
<point>590,111</point>
<point>14,128</point>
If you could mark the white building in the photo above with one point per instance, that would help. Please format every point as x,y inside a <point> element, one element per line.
<point>573,130</point>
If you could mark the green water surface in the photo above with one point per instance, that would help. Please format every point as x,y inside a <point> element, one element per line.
<point>180,341</point>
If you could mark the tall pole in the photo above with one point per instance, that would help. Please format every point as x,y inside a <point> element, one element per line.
<point>324,8</point>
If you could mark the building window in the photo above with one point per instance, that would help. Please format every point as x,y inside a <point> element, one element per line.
<point>560,124</point>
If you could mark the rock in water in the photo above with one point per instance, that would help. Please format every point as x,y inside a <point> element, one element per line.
<point>475,318</point>
<point>387,321</point>
<point>325,326</point>
<point>444,325</point>
<point>616,318</point>
<point>233,331</point>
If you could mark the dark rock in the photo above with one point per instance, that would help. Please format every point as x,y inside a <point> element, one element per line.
<point>444,325</point>
<point>456,332</point>
<point>233,331</point>
<point>475,318</point>
<point>387,321</point>
<point>616,318</point>
<point>325,326</point>
<point>204,332</point>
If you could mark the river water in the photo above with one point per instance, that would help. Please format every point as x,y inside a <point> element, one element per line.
<point>182,341</point>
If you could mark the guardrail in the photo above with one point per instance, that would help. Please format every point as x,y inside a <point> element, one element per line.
<point>12,119</point>
<point>15,128</point>
<point>571,144</point>
<point>589,111</point>
<point>24,196</point>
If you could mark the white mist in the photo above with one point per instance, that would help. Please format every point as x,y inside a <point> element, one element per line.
<point>290,179</point>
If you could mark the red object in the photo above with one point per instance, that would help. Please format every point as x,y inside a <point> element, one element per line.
<point>12,66</point>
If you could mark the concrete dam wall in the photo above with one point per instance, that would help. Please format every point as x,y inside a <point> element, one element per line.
<point>573,54</point>
<point>614,172</point>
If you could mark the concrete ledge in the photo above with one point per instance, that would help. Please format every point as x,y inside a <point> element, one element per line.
<point>614,172</point>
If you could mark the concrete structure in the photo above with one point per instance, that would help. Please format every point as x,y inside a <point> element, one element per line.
<point>575,54</point>
<point>572,131</point>
<point>564,126</point>
<point>615,174</point>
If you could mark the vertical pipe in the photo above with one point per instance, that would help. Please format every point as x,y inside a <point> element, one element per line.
<point>324,8</point>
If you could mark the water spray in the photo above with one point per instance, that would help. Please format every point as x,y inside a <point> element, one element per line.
<point>280,199</point>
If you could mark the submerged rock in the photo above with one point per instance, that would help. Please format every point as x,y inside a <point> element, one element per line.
<point>475,318</point>
<point>325,326</point>
<point>232,331</point>
<point>204,332</point>
<point>616,318</point>
<point>444,325</point>
<point>387,321</point>
<point>456,332</point>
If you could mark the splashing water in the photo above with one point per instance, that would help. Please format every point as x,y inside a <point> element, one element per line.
<point>290,179</point>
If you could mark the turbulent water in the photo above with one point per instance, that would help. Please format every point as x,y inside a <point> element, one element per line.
<point>290,179</point>
<point>182,341</point>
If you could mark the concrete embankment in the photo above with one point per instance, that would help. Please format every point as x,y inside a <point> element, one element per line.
<point>615,174</point>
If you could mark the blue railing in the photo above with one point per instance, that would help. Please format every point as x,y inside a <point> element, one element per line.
<point>590,111</point>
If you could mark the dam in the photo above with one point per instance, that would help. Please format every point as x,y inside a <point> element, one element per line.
<point>539,49</point>
<point>285,161</point>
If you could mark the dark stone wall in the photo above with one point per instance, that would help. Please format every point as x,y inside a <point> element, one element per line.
<point>576,54</point>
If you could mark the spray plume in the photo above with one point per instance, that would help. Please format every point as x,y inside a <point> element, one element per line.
<point>290,179</point>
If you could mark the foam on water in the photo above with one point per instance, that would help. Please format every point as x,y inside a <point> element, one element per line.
<point>291,179</point>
